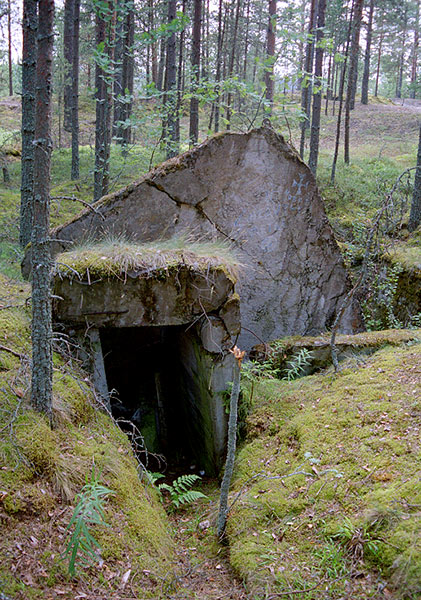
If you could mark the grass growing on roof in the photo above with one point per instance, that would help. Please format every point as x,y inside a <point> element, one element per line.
<point>116,257</point>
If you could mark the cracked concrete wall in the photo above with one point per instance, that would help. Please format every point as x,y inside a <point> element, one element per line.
<point>253,190</point>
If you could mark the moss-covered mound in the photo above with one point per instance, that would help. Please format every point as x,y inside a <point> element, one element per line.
<point>327,487</point>
<point>117,257</point>
<point>42,470</point>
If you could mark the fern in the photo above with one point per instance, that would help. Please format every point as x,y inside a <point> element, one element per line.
<point>89,511</point>
<point>179,490</point>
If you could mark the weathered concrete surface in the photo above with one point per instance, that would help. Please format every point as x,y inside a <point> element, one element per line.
<point>137,301</point>
<point>253,190</point>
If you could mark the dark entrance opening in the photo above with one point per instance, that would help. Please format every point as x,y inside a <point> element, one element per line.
<point>145,372</point>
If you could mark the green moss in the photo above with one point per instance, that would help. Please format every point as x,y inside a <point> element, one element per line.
<point>330,447</point>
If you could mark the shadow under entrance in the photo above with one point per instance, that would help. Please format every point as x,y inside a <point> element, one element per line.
<point>156,380</point>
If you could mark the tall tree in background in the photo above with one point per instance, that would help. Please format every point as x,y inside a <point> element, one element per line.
<point>415,49</point>
<point>270,55</point>
<point>195,64</point>
<point>415,215</point>
<point>367,55</point>
<point>42,367</point>
<point>171,84</point>
<point>9,46</point>
<point>317,95</point>
<point>103,20</point>
<point>75,91</point>
<point>124,71</point>
<point>68,39</point>
<point>29,53</point>
<point>306,87</point>
<point>233,42</point>
<point>353,63</point>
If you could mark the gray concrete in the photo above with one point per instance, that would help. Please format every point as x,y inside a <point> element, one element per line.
<point>254,191</point>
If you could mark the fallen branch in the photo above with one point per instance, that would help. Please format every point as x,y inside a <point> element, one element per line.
<point>6,349</point>
<point>75,199</point>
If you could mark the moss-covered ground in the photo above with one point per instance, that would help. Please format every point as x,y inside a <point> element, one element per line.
<point>327,490</point>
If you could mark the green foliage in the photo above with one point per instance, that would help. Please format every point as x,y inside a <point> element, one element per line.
<point>88,512</point>
<point>358,540</point>
<point>378,303</point>
<point>297,364</point>
<point>179,491</point>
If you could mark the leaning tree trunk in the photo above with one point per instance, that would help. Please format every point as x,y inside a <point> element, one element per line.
<point>195,63</point>
<point>75,92</point>
<point>270,55</point>
<point>29,52</point>
<point>415,216</point>
<point>367,56</point>
<point>317,97</point>
<point>42,367</point>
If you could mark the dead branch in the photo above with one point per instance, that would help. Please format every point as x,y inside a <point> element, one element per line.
<point>6,349</point>
<point>75,199</point>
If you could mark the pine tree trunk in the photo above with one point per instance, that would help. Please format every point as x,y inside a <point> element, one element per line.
<point>9,46</point>
<point>317,97</point>
<point>102,106</point>
<point>414,59</point>
<point>195,62</point>
<point>118,85</point>
<point>379,55</point>
<point>128,78</point>
<point>75,92</point>
<point>233,42</point>
<point>218,68</point>
<point>355,44</point>
<point>171,85</point>
<point>154,58</point>
<point>306,86</point>
<point>367,56</point>
<point>270,55</point>
<point>41,388</point>
<point>415,216</point>
<point>68,37</point>
<point>399,77</point>
<point>29,53</point>
<point>355,50</point>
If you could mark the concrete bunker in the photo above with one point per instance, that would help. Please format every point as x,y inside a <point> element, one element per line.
<point>156,326</point>
<point>253,190</point>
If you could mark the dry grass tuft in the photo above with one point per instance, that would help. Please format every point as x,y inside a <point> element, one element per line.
<point>115,257</point>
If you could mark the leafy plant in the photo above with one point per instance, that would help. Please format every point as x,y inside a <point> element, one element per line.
<point>89,511</point>
<point>297,364</point>
<point>357,540</point>
<point>179,489</point>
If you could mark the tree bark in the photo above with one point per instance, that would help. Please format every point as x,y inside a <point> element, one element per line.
<point>218,68</point>
<point>415,215</point>
<point>29,53</point>
<point>306,86</point>
<point>415,48</point>
<point>171,89</point>
<point>102,105</point>
<point>195,62</point>
<point>75,92</point>
<point>231,61</point>
<point>270,55</point>
<point>367,56</point>
<point>317,97</point>
<point>355,44</point>
<point>9,46</point>
<point>379,55</point>
<point>42,368</point>
<point>68,39</point>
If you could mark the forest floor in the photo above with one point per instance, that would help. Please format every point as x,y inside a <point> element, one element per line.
<point>311,538</point>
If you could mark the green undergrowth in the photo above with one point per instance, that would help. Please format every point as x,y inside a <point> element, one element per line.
<point>327,488</point>
<point>43,469</point>
<point>117,257</point>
